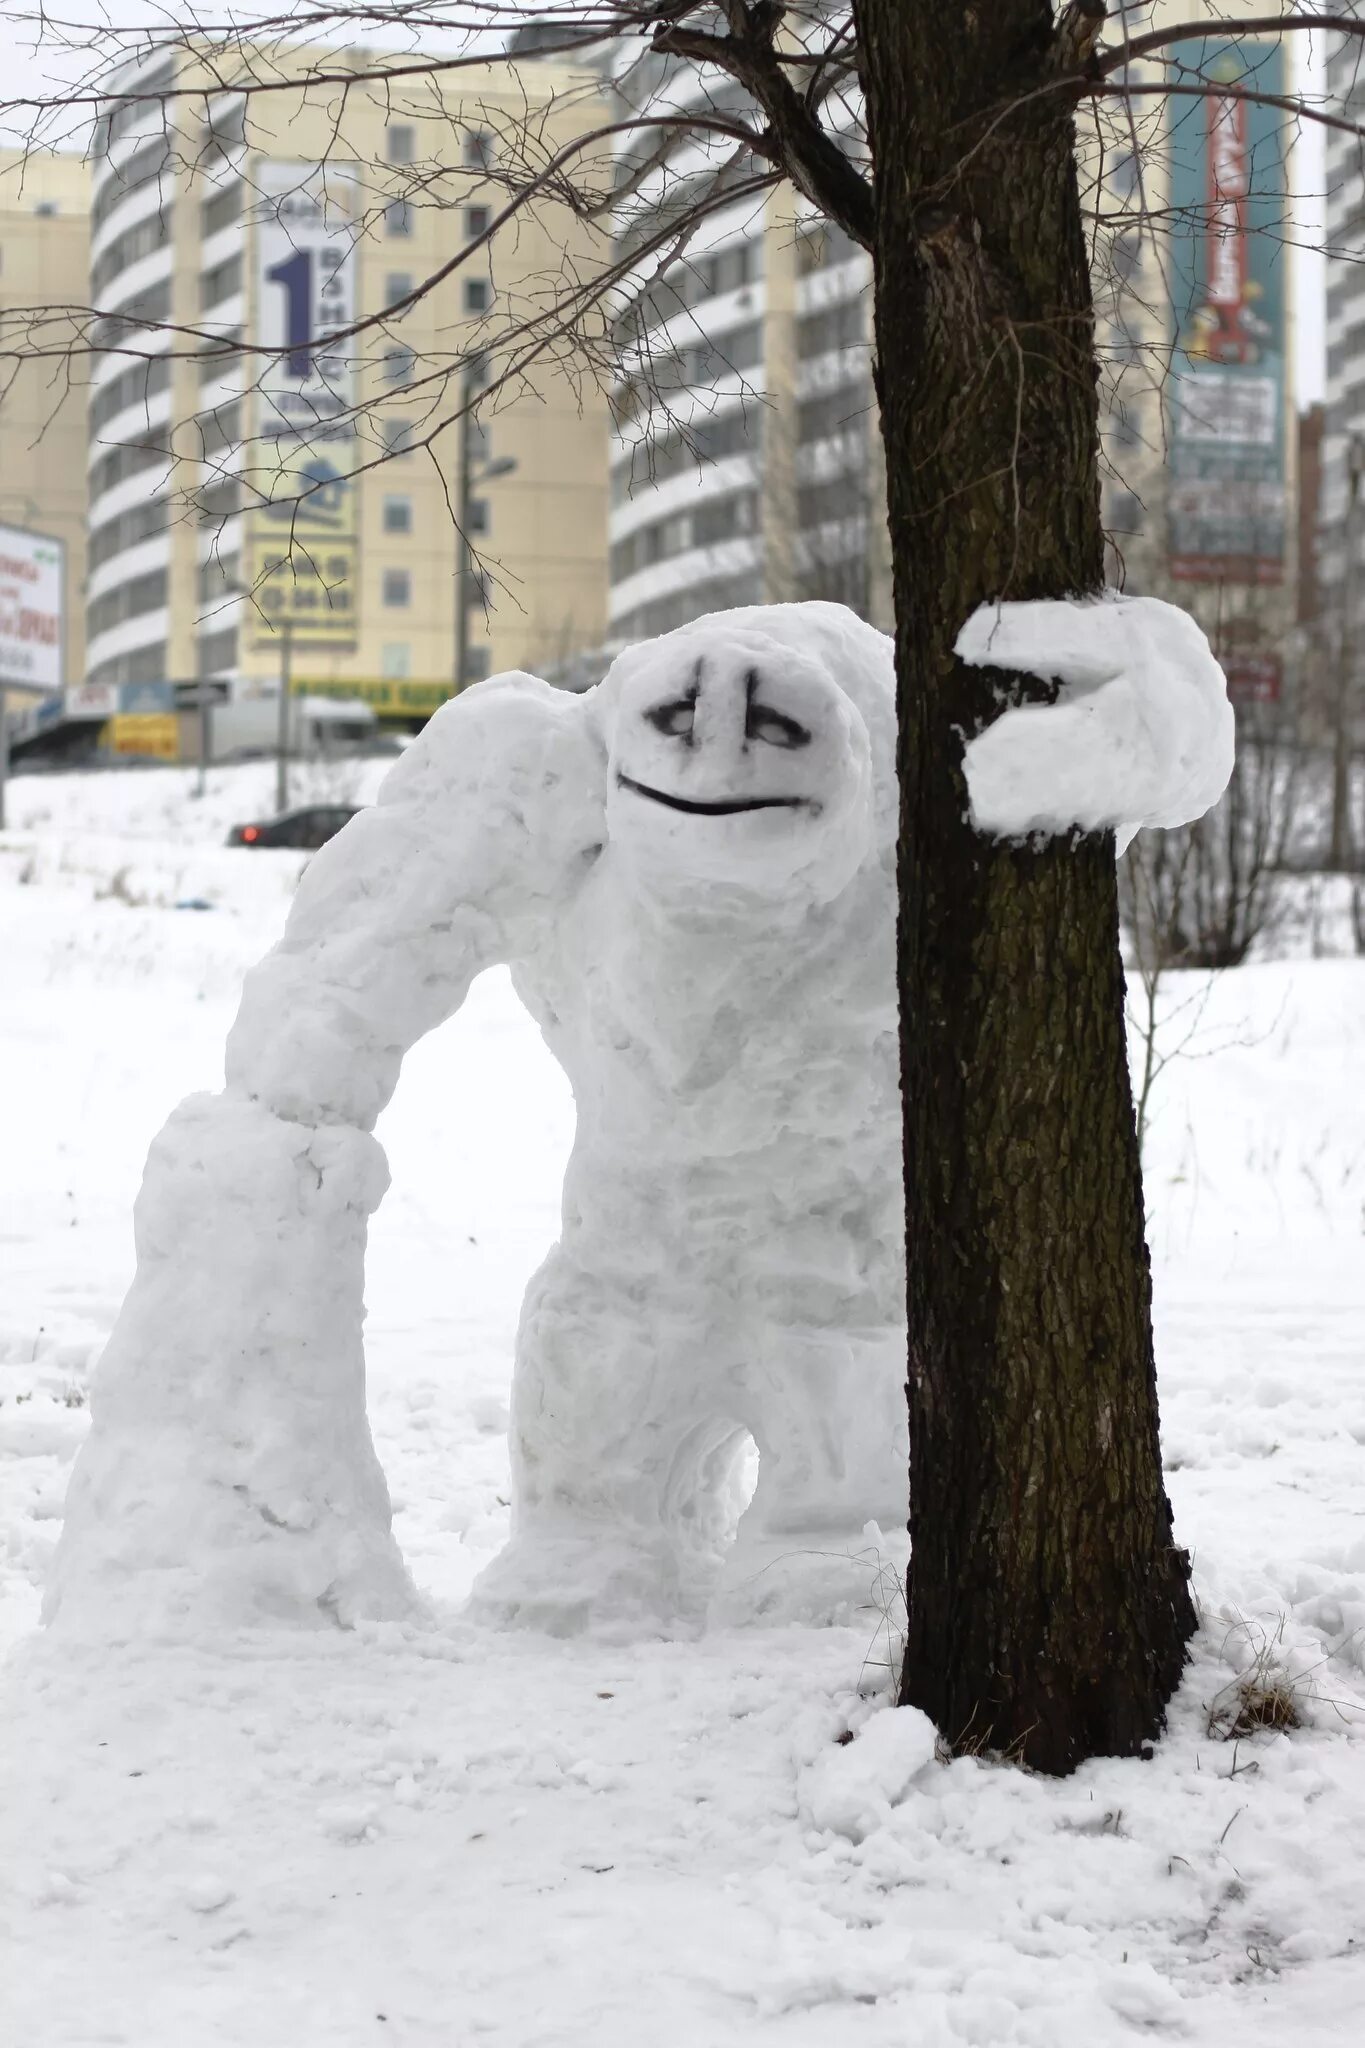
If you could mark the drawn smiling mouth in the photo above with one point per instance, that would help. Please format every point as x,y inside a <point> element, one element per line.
<point>724,808</point>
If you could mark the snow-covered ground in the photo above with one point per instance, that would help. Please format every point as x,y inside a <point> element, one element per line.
<point>450,1836</point>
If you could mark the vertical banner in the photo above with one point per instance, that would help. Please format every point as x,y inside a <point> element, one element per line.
<point>1226,404</point>
<point>32,595</point>
<point>302,543</point>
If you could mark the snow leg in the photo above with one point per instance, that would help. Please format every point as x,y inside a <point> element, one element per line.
<point>621,1466</point>
<point>229,1477</point>
<point>829,1417</point>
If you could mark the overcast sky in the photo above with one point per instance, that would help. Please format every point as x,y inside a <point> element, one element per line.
<point>40,59</point>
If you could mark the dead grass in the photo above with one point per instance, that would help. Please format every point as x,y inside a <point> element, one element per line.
<point>1264,1696</point>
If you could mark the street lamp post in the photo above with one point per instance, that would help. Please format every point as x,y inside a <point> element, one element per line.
<point>282,729</point>
<point>1341,853</point>
<point>470,475</point>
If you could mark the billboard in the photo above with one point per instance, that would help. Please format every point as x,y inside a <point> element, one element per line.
<point>386,697</point>
<point>302,532</point>
<point>32,597</point>
<point>1226,399</point>
<point>148,735</point>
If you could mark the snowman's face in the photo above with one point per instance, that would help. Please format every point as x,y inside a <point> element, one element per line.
<point>735,761</point>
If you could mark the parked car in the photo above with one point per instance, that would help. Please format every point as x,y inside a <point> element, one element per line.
<point>309,827</point>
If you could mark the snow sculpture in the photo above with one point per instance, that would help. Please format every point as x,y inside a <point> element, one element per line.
<point>691,873</point>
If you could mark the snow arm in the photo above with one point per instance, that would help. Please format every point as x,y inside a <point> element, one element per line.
<point>229,1478</point>
<point>478,832</point>
<point>1141,732</point>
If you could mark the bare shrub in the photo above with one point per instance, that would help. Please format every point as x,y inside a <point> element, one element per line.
<point>1202,896</point>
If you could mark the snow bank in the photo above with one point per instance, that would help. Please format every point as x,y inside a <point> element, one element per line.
<point>389,1811</point>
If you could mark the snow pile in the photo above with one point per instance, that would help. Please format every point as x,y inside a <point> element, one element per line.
<point>851,1786</point>
<point>690,871</point>
<point>1141,733</point>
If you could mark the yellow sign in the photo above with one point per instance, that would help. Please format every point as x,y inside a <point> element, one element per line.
<point>302,549</point>
<point>154,734</point>
<point>396,699</point>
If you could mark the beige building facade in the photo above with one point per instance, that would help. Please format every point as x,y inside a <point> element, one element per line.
<point>45,261</point>
<point>275,442</point>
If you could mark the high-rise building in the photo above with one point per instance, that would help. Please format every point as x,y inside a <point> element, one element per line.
<point>313,477</point>
<point>45,261</point>
<point>745,458</point>
<point>1194,295</point>
<point>1341,560</point>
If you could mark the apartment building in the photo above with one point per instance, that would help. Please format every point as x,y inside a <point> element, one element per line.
<point>745,456</point>
<point>276,476</point>
<point>45,262</point>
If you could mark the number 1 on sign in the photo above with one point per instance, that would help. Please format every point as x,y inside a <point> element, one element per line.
<point>295,276</point>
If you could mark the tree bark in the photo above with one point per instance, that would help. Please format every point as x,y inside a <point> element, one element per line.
<point>1048,1604</point>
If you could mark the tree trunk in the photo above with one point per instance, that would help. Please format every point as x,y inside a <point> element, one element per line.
<point>1048,1605</point>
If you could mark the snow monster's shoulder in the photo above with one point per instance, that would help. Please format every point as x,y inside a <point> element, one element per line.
<point>513,742</point>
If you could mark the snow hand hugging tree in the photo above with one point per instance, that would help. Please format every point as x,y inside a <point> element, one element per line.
<point>690,871</point>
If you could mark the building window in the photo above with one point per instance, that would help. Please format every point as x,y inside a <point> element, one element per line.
<point>221,282</point>
<point>476,220</point>
<point>397,287</point>
<point>129,247</point>
<point>223,361</point>
<point>226,127</point>
<point>397,515</point>
<point>396,436</point>
<point>219,578</point>
<point>216,651</point>
<point>476,518</point>
<point>397,588</point>
<point>395,661</point>
<point>399,364</point>
<point>400,143</point>
<point>398,218</point>
<point>478,295</point>
<point>1123,512</point>
<point>224,208</point>
<point>478,661</point>
<point>478,150</point>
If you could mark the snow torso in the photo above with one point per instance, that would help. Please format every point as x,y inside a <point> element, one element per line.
<point>737,1094</point>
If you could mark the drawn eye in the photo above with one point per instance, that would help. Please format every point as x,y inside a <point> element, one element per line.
<point>774,728</point>
<point>674,720</point>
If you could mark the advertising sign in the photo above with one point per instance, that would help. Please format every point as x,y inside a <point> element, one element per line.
<point>306,230</point>
<point>145,699</point>
<point>1253,678</point>
<point>92,700</point>
<point>302,542</point>
<point>1226,501</point>
<point>302,552</point>
<point>392,699</point>
<point>151,735</point>
<point>32,595</point>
